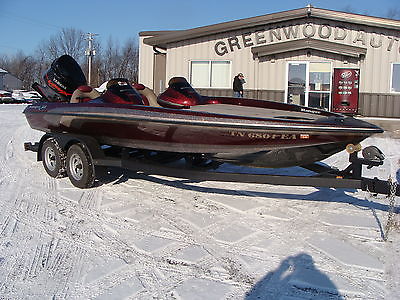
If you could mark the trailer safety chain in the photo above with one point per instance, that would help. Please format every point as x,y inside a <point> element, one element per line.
<point>391,212</point>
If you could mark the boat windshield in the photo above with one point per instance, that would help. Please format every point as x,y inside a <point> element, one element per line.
<point>181,85</point>
<point>120,91</point>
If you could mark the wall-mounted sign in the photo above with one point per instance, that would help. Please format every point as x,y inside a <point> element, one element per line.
<point>309,30</point>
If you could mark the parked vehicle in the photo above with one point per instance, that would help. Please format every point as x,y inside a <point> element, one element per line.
<point>5,97</point>
<point>24,96</point>
<point>17,95</point>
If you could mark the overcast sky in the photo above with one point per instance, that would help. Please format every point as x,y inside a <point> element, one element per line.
<point>25,23</point>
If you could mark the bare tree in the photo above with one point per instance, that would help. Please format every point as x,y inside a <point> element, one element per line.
<point>69,41</point>
<point>130,59</point>
<point>111,61</point>
<point>117,61</point>
<point>393,13</point>
<point>21,66</point>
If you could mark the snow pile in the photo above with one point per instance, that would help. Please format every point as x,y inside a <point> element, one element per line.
<point>144,237</point>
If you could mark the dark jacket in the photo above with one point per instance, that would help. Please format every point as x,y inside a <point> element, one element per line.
<point>237,84</point>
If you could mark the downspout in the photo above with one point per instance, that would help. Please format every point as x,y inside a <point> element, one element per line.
<point>156,51</point>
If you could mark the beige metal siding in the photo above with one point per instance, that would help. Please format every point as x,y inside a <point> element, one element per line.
<point>252,94</point>
<point>180,55</point>
<point>380,105</point>
<point>145,63</point>
<point>266,76</point>
<point>262,73</point>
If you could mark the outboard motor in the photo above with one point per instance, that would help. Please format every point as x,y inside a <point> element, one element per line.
<point>64,76</point>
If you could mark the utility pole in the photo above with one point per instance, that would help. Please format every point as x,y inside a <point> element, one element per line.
<point>90,52</point>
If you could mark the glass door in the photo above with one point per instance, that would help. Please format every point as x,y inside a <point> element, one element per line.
<point>320,85</point>
<point>309,84</point>
<point>297,79</point>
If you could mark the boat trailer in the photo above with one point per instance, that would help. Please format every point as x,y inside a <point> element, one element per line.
<point>83,160</point>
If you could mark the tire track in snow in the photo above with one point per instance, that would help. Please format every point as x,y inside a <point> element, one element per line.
<point>24,211</point>
<point>301,225</point>
<point>90,199</point>
<point>48,258</point>
<point>6,173</point>
<point>220,253</point>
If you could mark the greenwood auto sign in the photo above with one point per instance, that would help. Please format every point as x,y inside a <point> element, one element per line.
<point>309,30</point>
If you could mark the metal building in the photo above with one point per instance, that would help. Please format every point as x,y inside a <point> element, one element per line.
<point>309,56</point>
<point>9,82</point>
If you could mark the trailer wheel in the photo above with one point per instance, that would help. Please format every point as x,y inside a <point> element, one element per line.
<point>80,168</point>
<point>53,158</point>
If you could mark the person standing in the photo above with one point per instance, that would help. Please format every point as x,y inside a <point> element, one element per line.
<point>238,82</point>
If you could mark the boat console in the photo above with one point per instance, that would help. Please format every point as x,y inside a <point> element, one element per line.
<point>119,90</point>
<point>180,94</point>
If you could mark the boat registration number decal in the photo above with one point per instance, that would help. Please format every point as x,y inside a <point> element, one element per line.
<point>268,136</point>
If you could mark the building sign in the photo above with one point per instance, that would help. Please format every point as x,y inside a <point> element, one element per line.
<point>323,31</point>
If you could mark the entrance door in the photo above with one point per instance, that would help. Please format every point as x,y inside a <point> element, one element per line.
<point>320,85</point>
<point>309,84</point>
<point>297,79</point>
<point>160,62</point>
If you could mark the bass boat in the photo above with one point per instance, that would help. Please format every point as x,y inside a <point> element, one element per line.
<point>241,131</point>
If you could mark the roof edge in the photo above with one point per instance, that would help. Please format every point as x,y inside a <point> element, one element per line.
<point>156,33</point>
<point>356,18</point>
<point>162,38</point>
<point>173,36</point>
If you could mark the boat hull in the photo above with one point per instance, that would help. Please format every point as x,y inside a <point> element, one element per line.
<point>247,140</point>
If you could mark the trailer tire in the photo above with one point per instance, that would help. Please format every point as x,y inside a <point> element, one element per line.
<point>53,158</point>
<point>80,167</point>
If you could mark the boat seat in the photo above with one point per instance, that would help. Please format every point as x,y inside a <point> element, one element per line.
<point>84,93</point>
<point>147,94</point>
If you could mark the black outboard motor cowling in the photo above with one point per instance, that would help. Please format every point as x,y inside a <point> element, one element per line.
<point>64,76</point>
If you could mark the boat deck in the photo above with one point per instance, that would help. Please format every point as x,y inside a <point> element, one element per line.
<point>256,112</point>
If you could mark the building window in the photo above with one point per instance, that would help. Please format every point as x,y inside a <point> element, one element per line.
<point>395,84</point>
<point>207,73</point>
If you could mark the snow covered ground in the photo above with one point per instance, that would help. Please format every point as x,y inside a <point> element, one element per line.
<point>147,237</point>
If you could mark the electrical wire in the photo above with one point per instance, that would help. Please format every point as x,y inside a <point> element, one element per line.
<point>29,21</point>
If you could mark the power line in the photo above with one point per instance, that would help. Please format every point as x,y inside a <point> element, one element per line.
<point>28,20</point>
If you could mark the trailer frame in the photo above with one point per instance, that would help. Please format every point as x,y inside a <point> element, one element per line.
<point>100,156</point>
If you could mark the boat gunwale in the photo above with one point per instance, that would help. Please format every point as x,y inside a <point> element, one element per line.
<point>284,126</point>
